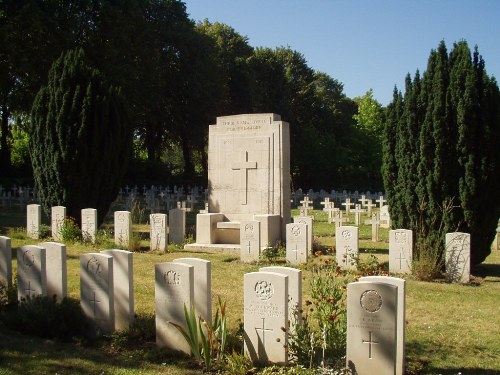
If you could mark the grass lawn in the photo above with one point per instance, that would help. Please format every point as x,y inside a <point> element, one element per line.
<point>450,328</point>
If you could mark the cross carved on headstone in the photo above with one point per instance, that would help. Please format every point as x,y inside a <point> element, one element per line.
<point>28,290</point>
<point>243,166</point>
<point>370,342</point>
<point>263,330</point>
<point>94,301</point>
<point>401,258</point>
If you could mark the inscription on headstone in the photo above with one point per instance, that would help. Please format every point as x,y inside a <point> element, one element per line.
<point>31,272</point>
<point>89,224</point>
<point>296,243</point>
<point>158,232</point>
<point>123,228</point>
<point>34,218</point>
<point>400,250</point>
<point>250,240</point>
<point>458,257</point>
<point>58,213</point>
<point>347,246</point>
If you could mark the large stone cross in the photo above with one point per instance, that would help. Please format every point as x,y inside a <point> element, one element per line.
<point>243,166</point>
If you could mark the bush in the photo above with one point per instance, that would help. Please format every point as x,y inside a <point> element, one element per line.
<point>70,231</point>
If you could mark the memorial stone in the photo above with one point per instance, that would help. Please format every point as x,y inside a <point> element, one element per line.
<point>296,243</point>
<point>372,328</point>
<point>31,272</point>
<point>347,246</point>
<point>266,317</point>
<point>5,262</point>
<point>57,281</point>
<point>307,220</point>
<point>250,240</point>
<point>58,213</point>
<point>123,228</point>
<point>97,291</point>
<point>457,258</point>
<point>34,218</point>
<point>89,224</point>
<point>158,231</point>
<point>400,251</point>
<point>177,225</point>
<point>174,290</point>
<point>123,287</point>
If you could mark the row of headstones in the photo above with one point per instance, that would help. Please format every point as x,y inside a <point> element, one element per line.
<point>272,302</point>
<point>18,196</point>
<point>336,195</point>
<point>160,233</point>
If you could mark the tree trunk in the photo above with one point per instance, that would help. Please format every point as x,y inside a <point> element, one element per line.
<point>5,131</point>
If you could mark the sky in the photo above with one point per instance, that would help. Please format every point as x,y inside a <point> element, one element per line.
<point>364,44</point>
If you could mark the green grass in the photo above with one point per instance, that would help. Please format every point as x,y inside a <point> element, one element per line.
<point>450,328</point>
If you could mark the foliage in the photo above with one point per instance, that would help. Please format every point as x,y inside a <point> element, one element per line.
<point>80,137</point>
<point>440,150</point>
<point>274,253</point>
<point>70,231</point>
<point>43,316</point>
<point>8,295</point>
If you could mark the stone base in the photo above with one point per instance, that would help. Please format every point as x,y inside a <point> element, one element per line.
<point>234,249</point>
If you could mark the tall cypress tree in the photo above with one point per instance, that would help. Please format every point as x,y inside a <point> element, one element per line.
<point>80,137</point>
<point>446,164</point>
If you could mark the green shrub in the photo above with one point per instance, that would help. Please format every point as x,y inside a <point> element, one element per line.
<point>8,296</point>
<point>272,254</point>
<point>70,231</point>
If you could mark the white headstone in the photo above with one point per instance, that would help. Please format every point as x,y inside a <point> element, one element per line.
<point>57,281</point>
<point>266,317</point>
<point>123,284</point>
<point>159,231</point>
<point>33,220</point>
<point>202,286</point>
<point>401,316</point>
<point>385,217</point>
<point>174,289</point>
<point>31,272</point>
<point>177,225</point>
<point>89,224</point>
<point>347,246</point>
<point>372,328</point>
<point>250,240</point>
<point>123,228</point>
<point>294,291</point>
<point>58,213</point>
<point>5,261</point>
<point>307,220</point>
<point>296,243</point>
<point>400,250</point>
<point>457,259</point>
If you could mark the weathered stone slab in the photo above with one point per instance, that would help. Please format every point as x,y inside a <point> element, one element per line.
<point>5,261</point>
<point>400,251</point>
<point>296,243</point>
<point>307,220</point>
<point>57,280</point>
<point>97,291</point>
<point>174,289</point>
<point>401,316</point>
<point>33,220</point>
<point>457,259</point>
<point>123,286</point>
<point>347,246</point>
<point>177,225</point>
<point>31,272</point>
<point>202,297</point>
<point>89,224</point>
<point>58,213</point>
<point>123,228</point>
<point>250,240</point>
<point>371,328</point>
<point>158,231</point>
<point>266,317</point>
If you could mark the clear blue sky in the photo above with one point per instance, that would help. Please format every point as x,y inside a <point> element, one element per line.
<point>362,43</point>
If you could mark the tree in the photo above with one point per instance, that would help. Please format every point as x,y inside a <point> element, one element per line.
<point>440,165</point>
<point>80,137</point>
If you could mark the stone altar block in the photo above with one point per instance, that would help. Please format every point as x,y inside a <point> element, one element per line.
<point>248,179</point>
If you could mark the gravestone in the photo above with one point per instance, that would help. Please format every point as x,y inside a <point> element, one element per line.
<point>57,215</point>
<point>248,179</point>
<point>457,258</point>
<point>330,210</point>
<point>385,218</point>
<point>123,228</point>
<point>305,208</point>
<point>347,205</point>
<point>400,251</point>
<point>158,232</point>
<point>357,214</point>
<point>294,291</point>
<point>375,222</point>
<point>174,289</point>
<point>266,317</point>
<point>5,262</point>
<point>57,280</point>
<point>33,220</point>
<point>347,246</point>
<point>307,220</point>
<point>372,328</point>
<point>250,240</point>
<point>177,225</point>
<point>31,272</point>
<point>296,243</point>
<point>89,224</point>
<point>202,297</point>
<point>338,218</point>
<point>97,292</point>
<point>401,316</point>
<point>123,287</point>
